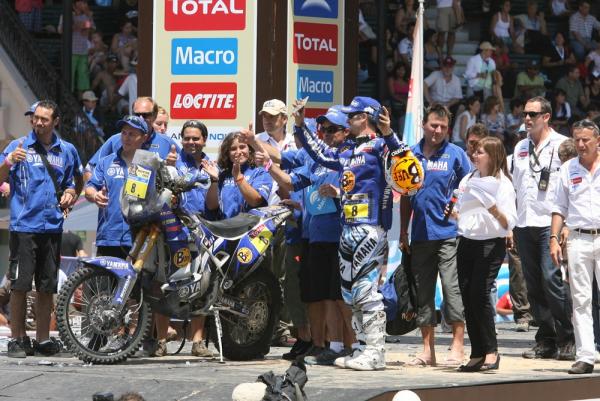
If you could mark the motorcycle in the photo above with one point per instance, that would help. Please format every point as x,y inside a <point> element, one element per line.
<point>207,268</point>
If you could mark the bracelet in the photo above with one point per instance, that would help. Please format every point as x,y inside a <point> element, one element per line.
<point>269,165</point>
<point>554,236</point>
<point>237,181</point>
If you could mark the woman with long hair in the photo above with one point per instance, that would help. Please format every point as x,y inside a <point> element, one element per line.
<point>493,116</point>
<point>486,213</point>
<point>240,185</point>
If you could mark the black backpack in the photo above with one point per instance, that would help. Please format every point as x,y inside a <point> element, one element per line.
<point>400,299</point>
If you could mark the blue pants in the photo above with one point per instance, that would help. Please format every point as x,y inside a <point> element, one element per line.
<point>548,295</point>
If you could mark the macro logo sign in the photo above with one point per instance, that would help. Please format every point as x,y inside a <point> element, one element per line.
<point>316,8</point>
<point>214,56</point>
<point>315,43</point>
<point>204,100</point>
<point>317,85</point>
<point>205,15</point>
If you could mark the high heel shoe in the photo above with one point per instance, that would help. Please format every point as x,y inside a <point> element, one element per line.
<point>472,368</point>
<point>491,366</point>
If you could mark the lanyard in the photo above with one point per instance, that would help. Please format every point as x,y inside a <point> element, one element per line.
<point>536,159</point>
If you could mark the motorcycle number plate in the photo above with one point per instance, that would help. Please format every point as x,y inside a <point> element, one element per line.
<point>262,240</point>
<point>137,181</point>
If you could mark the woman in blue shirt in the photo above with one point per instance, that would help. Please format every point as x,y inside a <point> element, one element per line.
<point>240,185</point>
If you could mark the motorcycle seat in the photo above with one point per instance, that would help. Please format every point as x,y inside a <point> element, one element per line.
<point>233,227</point>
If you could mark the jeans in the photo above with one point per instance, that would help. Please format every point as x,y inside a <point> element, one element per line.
<point>518,288</point>
<point>548,294</point>
<point>478,263</point>
<point>580,50</point>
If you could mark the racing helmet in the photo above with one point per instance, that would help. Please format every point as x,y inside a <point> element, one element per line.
<point>403,171</point>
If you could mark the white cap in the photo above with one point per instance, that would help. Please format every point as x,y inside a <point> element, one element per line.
<point>249,392</point>
<point>273,107</point>
<point>406,395</point>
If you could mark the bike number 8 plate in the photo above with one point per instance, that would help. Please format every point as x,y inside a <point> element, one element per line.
<point>262,240</point>
<point>137,182</point>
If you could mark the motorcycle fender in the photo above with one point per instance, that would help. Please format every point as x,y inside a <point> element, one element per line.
<point>121,269</point>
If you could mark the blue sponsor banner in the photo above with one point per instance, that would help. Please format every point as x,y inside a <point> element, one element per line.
<point>316,8</point>
<point>316,84</point>
<point>205,56</point>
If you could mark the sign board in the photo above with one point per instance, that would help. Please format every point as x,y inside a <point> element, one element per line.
<point>204,64</point>
<point>315,53</point>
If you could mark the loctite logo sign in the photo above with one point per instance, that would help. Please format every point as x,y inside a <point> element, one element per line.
<point>315,43</point>
<point>205,15</point>
<point>204,100</point>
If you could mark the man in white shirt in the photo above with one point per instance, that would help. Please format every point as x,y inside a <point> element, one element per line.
<point>480,72</point>
<point>577,194</point>
<point>535,175</point>
<point>443,87</point>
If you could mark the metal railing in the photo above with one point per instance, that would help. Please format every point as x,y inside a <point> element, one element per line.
<point>45,82</point>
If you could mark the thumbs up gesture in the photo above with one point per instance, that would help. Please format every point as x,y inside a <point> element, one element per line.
<point>101,197</point>
<point>17,155</point>
<point>247,135</point>
<point>172,156</point>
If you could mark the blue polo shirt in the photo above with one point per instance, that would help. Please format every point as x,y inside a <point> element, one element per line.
<point>33,204</point>
<point>193,201</point>
<point>111,172</point>
<point>443,172</point>
<point>159,144</point>
<point>231,200</point>
<point>322,226</point>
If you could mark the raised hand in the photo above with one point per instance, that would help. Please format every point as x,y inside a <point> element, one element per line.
<point>247,135</point>
<point>19,154</point>
<point>172,156</point>
<point>298,112</point>
<point>236,170</point>
<point>211,169</point>
<point>384,121</point>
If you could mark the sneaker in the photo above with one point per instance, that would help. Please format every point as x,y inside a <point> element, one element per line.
<point>314,351</point>
<point>327,357</point>
<point>341,362</point>
<point>541,351</point>
<point>48,347</point>
<point>161,349</point>
<point>27,347</point>
<point>522,326</point>
<point>566,352</point>
<point>299,349</point>
<point>369,359</point>
<point>114,344</point>
<point>200,350</point>
<point>15,349</point>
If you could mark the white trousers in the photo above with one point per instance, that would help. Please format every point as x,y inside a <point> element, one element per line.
<point>584,259</point>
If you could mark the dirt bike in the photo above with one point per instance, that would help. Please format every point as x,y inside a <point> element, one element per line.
<point>207,268</point>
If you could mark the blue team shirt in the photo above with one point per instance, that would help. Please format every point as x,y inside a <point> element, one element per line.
<point>33,204</point>
<point>443,172</point>
<point>290,160</point>
<point>231,200</point>
<point>157,143</point>
<point>111,172</point>
<point>326,227</point>
<point>193,201</point>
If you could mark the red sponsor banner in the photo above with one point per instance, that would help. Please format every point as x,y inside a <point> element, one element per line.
<point>315,43</point>
<point>205,15</point>
<point>313,112</point>
<point>204,100</point>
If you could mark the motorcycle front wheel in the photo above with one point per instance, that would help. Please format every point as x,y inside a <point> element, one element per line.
<point>90,327</point>
<point>246,338</point>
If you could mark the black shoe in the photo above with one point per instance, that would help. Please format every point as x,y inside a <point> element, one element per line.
<point>541,351</point>
<point>472,368</point>
<point>27,347</point>
<point>15,349</point>
<point>300,348</point>
<point>566,352</point>
<point>491,366</point>
<point>581,368</point>
<point>48,347</point>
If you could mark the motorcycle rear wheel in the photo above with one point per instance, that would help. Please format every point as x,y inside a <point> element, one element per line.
<point>82,303</point>
<point>250,338</point>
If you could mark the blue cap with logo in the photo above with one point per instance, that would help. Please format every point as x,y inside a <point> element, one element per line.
<point>32,108</point>
<point>135,122</point>
<point>335,116</point>
<point>362,104</point>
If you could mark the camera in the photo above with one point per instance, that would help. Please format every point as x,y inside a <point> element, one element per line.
<point>544,179</point>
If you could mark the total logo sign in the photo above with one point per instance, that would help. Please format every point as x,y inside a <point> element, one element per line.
<point>315,43</point>
<point>204,100</point>
<point>205,15</point>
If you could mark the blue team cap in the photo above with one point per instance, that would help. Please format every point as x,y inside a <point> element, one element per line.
<point>135,122</point>
<point>362,104</point>
<point>335,116</point>
<point>32,109</point>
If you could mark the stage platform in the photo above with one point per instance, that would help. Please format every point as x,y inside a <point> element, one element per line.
<point>187,378</point>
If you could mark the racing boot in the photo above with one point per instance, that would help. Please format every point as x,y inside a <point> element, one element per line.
<point>357,326</point>
<point>373,356</point>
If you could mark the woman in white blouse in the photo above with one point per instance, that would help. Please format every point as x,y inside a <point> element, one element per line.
<point>486,213</point>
